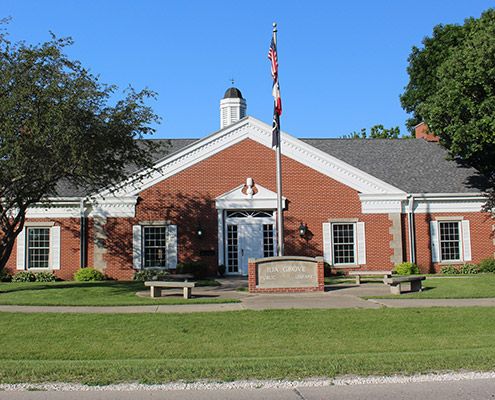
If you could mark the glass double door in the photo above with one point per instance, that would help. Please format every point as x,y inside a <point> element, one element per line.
<point>246,240</point>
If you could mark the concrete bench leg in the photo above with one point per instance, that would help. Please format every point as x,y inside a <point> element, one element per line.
<point>187,292</point>
<point>395,289</point>
<point>416,286</point>
<point>155,291</point>
<point>358,280</point>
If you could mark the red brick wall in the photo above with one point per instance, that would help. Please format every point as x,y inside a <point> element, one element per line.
<point>69,253</point>
<point>188,200</point>
<point>481,238</point>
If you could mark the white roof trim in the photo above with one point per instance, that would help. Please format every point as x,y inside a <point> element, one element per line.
<point>110,207</point>
<point>423,203</point>
<point>260,132</point>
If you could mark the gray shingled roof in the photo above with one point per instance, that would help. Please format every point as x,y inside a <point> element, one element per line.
<point>167,147</point>
<point>412,165</point>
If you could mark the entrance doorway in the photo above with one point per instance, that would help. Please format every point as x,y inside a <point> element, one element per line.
<point>249,234</point>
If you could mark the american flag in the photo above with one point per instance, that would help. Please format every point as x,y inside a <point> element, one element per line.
<point>277,109</point>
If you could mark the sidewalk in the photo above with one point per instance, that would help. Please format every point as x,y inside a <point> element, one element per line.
<point>335,297</point>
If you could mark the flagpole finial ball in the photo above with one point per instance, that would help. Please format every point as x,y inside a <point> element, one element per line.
<point>274,24</point>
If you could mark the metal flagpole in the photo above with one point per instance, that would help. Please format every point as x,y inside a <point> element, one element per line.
<point>280,210</point>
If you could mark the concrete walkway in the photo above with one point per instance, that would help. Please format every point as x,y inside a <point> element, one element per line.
<point>335,296</point>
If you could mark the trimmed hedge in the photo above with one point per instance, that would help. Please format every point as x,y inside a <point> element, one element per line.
<point>487,265</point>
<point>406,268</point>
<point>24,276</point>
<point>150,275</point>
<point>88,275</point>
<point>44,277</point>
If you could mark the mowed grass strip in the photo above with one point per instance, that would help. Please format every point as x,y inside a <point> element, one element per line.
<point>455,287</point>
<point>153,348</point>
<point>106,293</point>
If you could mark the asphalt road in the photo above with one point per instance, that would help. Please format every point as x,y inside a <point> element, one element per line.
<point>481,389</point>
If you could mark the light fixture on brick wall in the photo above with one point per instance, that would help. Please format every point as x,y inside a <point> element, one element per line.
<point>303,229</point>
<point>199,231</point>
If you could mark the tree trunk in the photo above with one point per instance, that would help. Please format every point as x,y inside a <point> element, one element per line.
<point>11,231</point>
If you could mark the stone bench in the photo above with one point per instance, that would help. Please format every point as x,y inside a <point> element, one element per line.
<point>156,287</point>
<point>397,282</point>
<point>359,274</point>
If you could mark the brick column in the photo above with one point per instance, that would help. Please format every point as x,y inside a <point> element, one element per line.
<point>251,275</point>
<point>320,266</point>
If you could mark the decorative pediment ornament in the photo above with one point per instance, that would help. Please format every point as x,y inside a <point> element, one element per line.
<point>248,196</point>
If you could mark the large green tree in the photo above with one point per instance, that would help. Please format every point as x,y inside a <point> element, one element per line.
<point>452,88</point>
<point>58,123</point>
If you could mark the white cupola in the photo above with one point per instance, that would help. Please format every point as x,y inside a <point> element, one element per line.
<point>232,107</point>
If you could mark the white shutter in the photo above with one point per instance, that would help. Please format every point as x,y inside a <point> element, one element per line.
<point>171,246</point>
<point>136,246</point>
<point>327,242</point>
<point>21,250</point>
<point>434,238</point>
<point>361,243</point>
<point>466,240</point>
<point>55,247</point>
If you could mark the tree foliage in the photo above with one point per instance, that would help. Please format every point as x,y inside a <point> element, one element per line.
<point>452,88</point>
<point>58,123</point>
<point>376,132</point>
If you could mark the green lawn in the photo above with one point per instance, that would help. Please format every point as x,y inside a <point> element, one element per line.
<point>293,344</point>
<point>107,293</point>
<point>456,287</point>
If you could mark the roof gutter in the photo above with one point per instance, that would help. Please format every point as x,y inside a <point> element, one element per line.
<point>83,234</point>
<point>411,231</point>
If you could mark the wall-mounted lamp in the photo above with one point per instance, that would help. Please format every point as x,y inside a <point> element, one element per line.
<point>199,232</point>
<point>303,229</point>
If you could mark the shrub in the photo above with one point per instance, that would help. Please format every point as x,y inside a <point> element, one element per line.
<point>150,275</point>
<point>487,265</point>
<point>406,268</point>
<point>469,269</point>
<point>327,269</point>
<point>88,275</point>
<point>5,276</point>
<point>449,270</point>
<point>45,277</point>
<point>24,276</point>
<point>197,269</point>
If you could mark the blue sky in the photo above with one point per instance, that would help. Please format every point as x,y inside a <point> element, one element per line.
<point>342,64</point>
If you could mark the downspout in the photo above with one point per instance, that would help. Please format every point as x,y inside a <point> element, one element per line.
<point>83,234</point>
<point>410,226</point>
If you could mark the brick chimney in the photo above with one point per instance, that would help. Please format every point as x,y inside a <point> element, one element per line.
<point>422,132</point>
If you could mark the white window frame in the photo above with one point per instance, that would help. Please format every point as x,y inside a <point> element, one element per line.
<point>354,244</point>
<point>143,245</point>
<point>54,246</point>
<point>460,243</point>
<point>138,244</point>
<point>49,247</point>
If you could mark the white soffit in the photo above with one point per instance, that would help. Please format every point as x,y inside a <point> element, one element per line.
<point>260,132</point>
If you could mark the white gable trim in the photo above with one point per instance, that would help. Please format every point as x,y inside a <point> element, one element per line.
<point>234,199</point>
<point>260,132</point>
